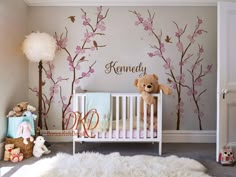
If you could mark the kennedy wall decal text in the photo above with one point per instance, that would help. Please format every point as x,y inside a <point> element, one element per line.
<point>115,67</point>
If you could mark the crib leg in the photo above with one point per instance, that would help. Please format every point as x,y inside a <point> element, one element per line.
<point>73,147</point>
<point>160,148</point>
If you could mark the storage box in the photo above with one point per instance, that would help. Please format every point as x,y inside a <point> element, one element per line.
<point>14,122</point>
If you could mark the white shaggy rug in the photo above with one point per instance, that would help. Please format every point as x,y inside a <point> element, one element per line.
<point>112,165</point>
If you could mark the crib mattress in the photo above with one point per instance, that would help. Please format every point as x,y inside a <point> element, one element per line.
<point>122,133</point>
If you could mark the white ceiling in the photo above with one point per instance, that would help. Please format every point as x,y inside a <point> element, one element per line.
<point>122,2</point>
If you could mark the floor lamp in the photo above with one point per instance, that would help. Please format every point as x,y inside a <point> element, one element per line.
<point>39,47</point>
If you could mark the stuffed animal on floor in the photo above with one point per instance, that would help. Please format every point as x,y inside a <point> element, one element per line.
<point>39,147</point>
<point>147,85</point>
<point>16,156</point>
<point>226,156</point>
<point>24,130</point>
<point>8,150</point>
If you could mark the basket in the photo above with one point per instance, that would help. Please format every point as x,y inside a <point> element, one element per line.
<point>26,149</point>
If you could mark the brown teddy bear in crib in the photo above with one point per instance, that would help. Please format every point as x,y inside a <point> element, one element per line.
<point>147,85</point>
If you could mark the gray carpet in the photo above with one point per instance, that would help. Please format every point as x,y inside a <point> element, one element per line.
<point>204,153</point>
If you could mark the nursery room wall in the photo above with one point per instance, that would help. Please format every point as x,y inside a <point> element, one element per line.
<point>95,43</point>
<point>13,65</point>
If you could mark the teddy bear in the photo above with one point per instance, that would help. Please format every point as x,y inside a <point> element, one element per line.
<point>8,150</point>
<point>147,85</point>
<point>20,108</point>
<point>16,156</point>
<point>39,147</point>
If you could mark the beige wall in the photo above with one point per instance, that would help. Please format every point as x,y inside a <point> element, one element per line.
<point>13,65</point>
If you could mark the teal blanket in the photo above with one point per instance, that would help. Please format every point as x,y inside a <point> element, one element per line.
<point>102,103</point>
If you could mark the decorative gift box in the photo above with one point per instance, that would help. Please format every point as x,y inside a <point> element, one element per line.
<point>14,123</point>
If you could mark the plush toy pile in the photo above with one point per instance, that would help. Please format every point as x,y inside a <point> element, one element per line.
<point>21,109</point>
<point>19,142</point>
<point>21,122</point>
<point>147,85</point>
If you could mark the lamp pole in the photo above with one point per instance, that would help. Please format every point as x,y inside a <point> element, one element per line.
<point>40,67</point>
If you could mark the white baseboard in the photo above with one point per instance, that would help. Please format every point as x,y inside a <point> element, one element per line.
<point>233,144</point>
<point>1,150</point>
<point>189,136</point>
<point>169,136</point>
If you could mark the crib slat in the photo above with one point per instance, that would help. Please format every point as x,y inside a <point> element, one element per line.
<point>75,105</point>
<point>82,113</point>
<point>145,120</point>
<point>131,116</point>
<point>75,127</point>
<point>117,116</point>
<point>138,117</point>
<point>124,116</point>
<point>103,134</point>
<point>152,117</point>
<point>111,119</point>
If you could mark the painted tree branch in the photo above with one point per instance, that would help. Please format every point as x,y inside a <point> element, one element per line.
<point>47,99</point>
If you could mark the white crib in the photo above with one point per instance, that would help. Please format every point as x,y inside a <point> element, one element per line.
<point>125,124</point>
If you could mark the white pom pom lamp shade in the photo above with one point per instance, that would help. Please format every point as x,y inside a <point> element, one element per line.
<point>39,46</point>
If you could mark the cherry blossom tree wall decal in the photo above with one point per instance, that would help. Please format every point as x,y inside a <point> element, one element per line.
<point>89,44</point>
<point>177,75</point>
<point>74,61</point>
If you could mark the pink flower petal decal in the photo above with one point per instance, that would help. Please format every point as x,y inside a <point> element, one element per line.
<point>64,98</point>
<point>71,68</point>
<point>77,67</point>
<point>198,82</point>
<point>77,81</point>
<point>151,54</point>
<point>180,46</point>
<point>167,65</point>
<point>209,67</point>
<point>35,89</point>
<point>199,21</point>
<point>91,70</point>
<point>59,78</point>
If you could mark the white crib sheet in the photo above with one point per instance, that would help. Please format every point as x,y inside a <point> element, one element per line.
<point>128,133</point>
